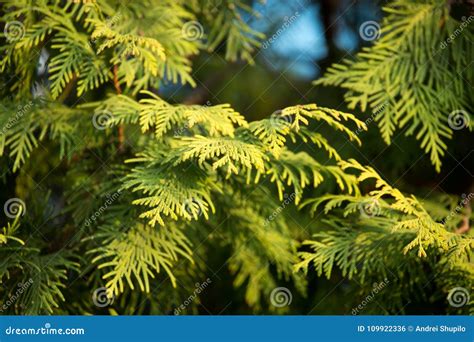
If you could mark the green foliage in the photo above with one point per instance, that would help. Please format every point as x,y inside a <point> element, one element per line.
<point>136,253</point>
<point>230,27</point>
<point>379,233</point>
<point>128,191</point>
<point>27,124</point>
<point>146,47</point>
<point>414,75</point>
<point>9,231</point>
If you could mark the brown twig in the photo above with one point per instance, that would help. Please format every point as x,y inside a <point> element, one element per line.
<point>67,90</point>
<point>121,134</point>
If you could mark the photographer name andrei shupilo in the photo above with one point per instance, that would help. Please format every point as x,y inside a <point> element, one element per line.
<point>440,328</point>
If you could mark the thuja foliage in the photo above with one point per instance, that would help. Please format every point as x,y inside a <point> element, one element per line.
<point>148,193</point>
<point>414,75</point>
